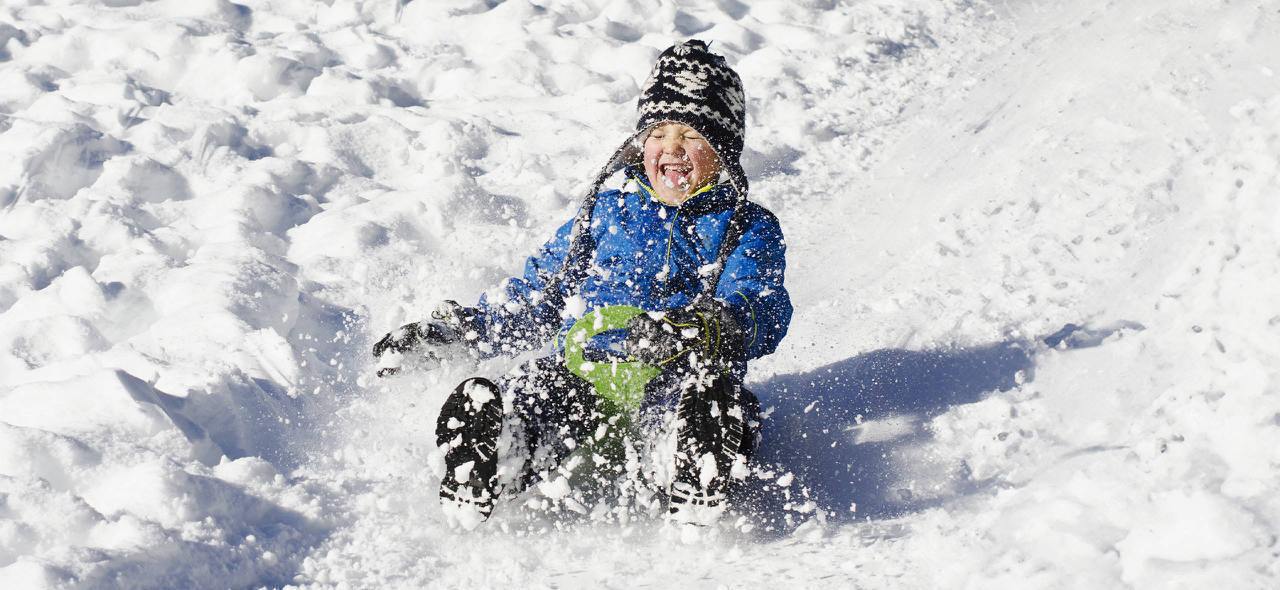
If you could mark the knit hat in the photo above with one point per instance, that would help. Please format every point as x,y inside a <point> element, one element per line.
<point>691,85</point>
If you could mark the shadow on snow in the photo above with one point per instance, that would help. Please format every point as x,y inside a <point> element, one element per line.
<point>839,428</point>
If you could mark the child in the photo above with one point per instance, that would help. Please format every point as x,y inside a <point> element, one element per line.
<point>684,245</point>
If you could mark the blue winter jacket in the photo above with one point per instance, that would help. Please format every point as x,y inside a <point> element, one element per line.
<point>648,255</point>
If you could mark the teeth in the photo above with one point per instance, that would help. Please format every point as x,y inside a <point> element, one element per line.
<point>675,175</point>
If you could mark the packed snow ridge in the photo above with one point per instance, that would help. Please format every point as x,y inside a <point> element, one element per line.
<point>208,209</point>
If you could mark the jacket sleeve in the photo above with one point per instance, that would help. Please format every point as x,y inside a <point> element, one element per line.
<point>751,285</point>
<point>518,315</point>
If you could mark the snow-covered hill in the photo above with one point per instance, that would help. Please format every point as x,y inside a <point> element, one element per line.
<point>208,209</point>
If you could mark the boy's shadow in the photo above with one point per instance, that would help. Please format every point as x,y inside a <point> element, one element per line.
<point>838,428</point>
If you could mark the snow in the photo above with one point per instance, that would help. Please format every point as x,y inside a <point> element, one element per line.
<point>555,488</point>
<point>210,210</point>
<point>480,394</point>
<point>463,471</point>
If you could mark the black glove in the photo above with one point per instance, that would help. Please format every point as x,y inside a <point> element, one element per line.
<point>448,327</point>
<point>703,333</point>
<point>409,336</point>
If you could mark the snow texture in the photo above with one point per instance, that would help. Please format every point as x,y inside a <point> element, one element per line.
<point>209,210</point>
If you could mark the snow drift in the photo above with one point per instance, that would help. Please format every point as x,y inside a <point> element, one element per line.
<point>208,209</point>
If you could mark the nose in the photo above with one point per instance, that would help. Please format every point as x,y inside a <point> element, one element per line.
<point>671,144</point>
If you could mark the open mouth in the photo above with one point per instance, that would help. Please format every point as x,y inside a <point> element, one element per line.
<point>676,174</point>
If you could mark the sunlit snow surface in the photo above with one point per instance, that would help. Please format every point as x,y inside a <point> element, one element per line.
<point>208,212</point>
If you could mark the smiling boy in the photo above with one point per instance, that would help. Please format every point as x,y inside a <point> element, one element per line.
<point>679,162</point>
<point>684,245</point>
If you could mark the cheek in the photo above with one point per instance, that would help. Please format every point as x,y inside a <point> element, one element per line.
<point>652,151</point>
<point>703,158</point>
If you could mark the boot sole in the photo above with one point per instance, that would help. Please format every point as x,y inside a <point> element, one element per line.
<point>469,425</point>
<point>701,433</point>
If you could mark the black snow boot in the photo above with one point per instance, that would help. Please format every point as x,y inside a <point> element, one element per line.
<point>714,434</point>
<point>468,429</point>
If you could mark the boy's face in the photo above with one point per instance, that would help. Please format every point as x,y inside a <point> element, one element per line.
<point>678,161</point>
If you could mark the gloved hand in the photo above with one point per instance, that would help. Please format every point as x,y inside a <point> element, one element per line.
<point>447,329</point>
<point>703,334</point>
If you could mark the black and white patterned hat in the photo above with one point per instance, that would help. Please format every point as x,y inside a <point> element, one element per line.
<point>693,86</point>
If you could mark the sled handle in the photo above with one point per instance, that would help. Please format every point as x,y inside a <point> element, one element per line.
<point>621,383</point>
